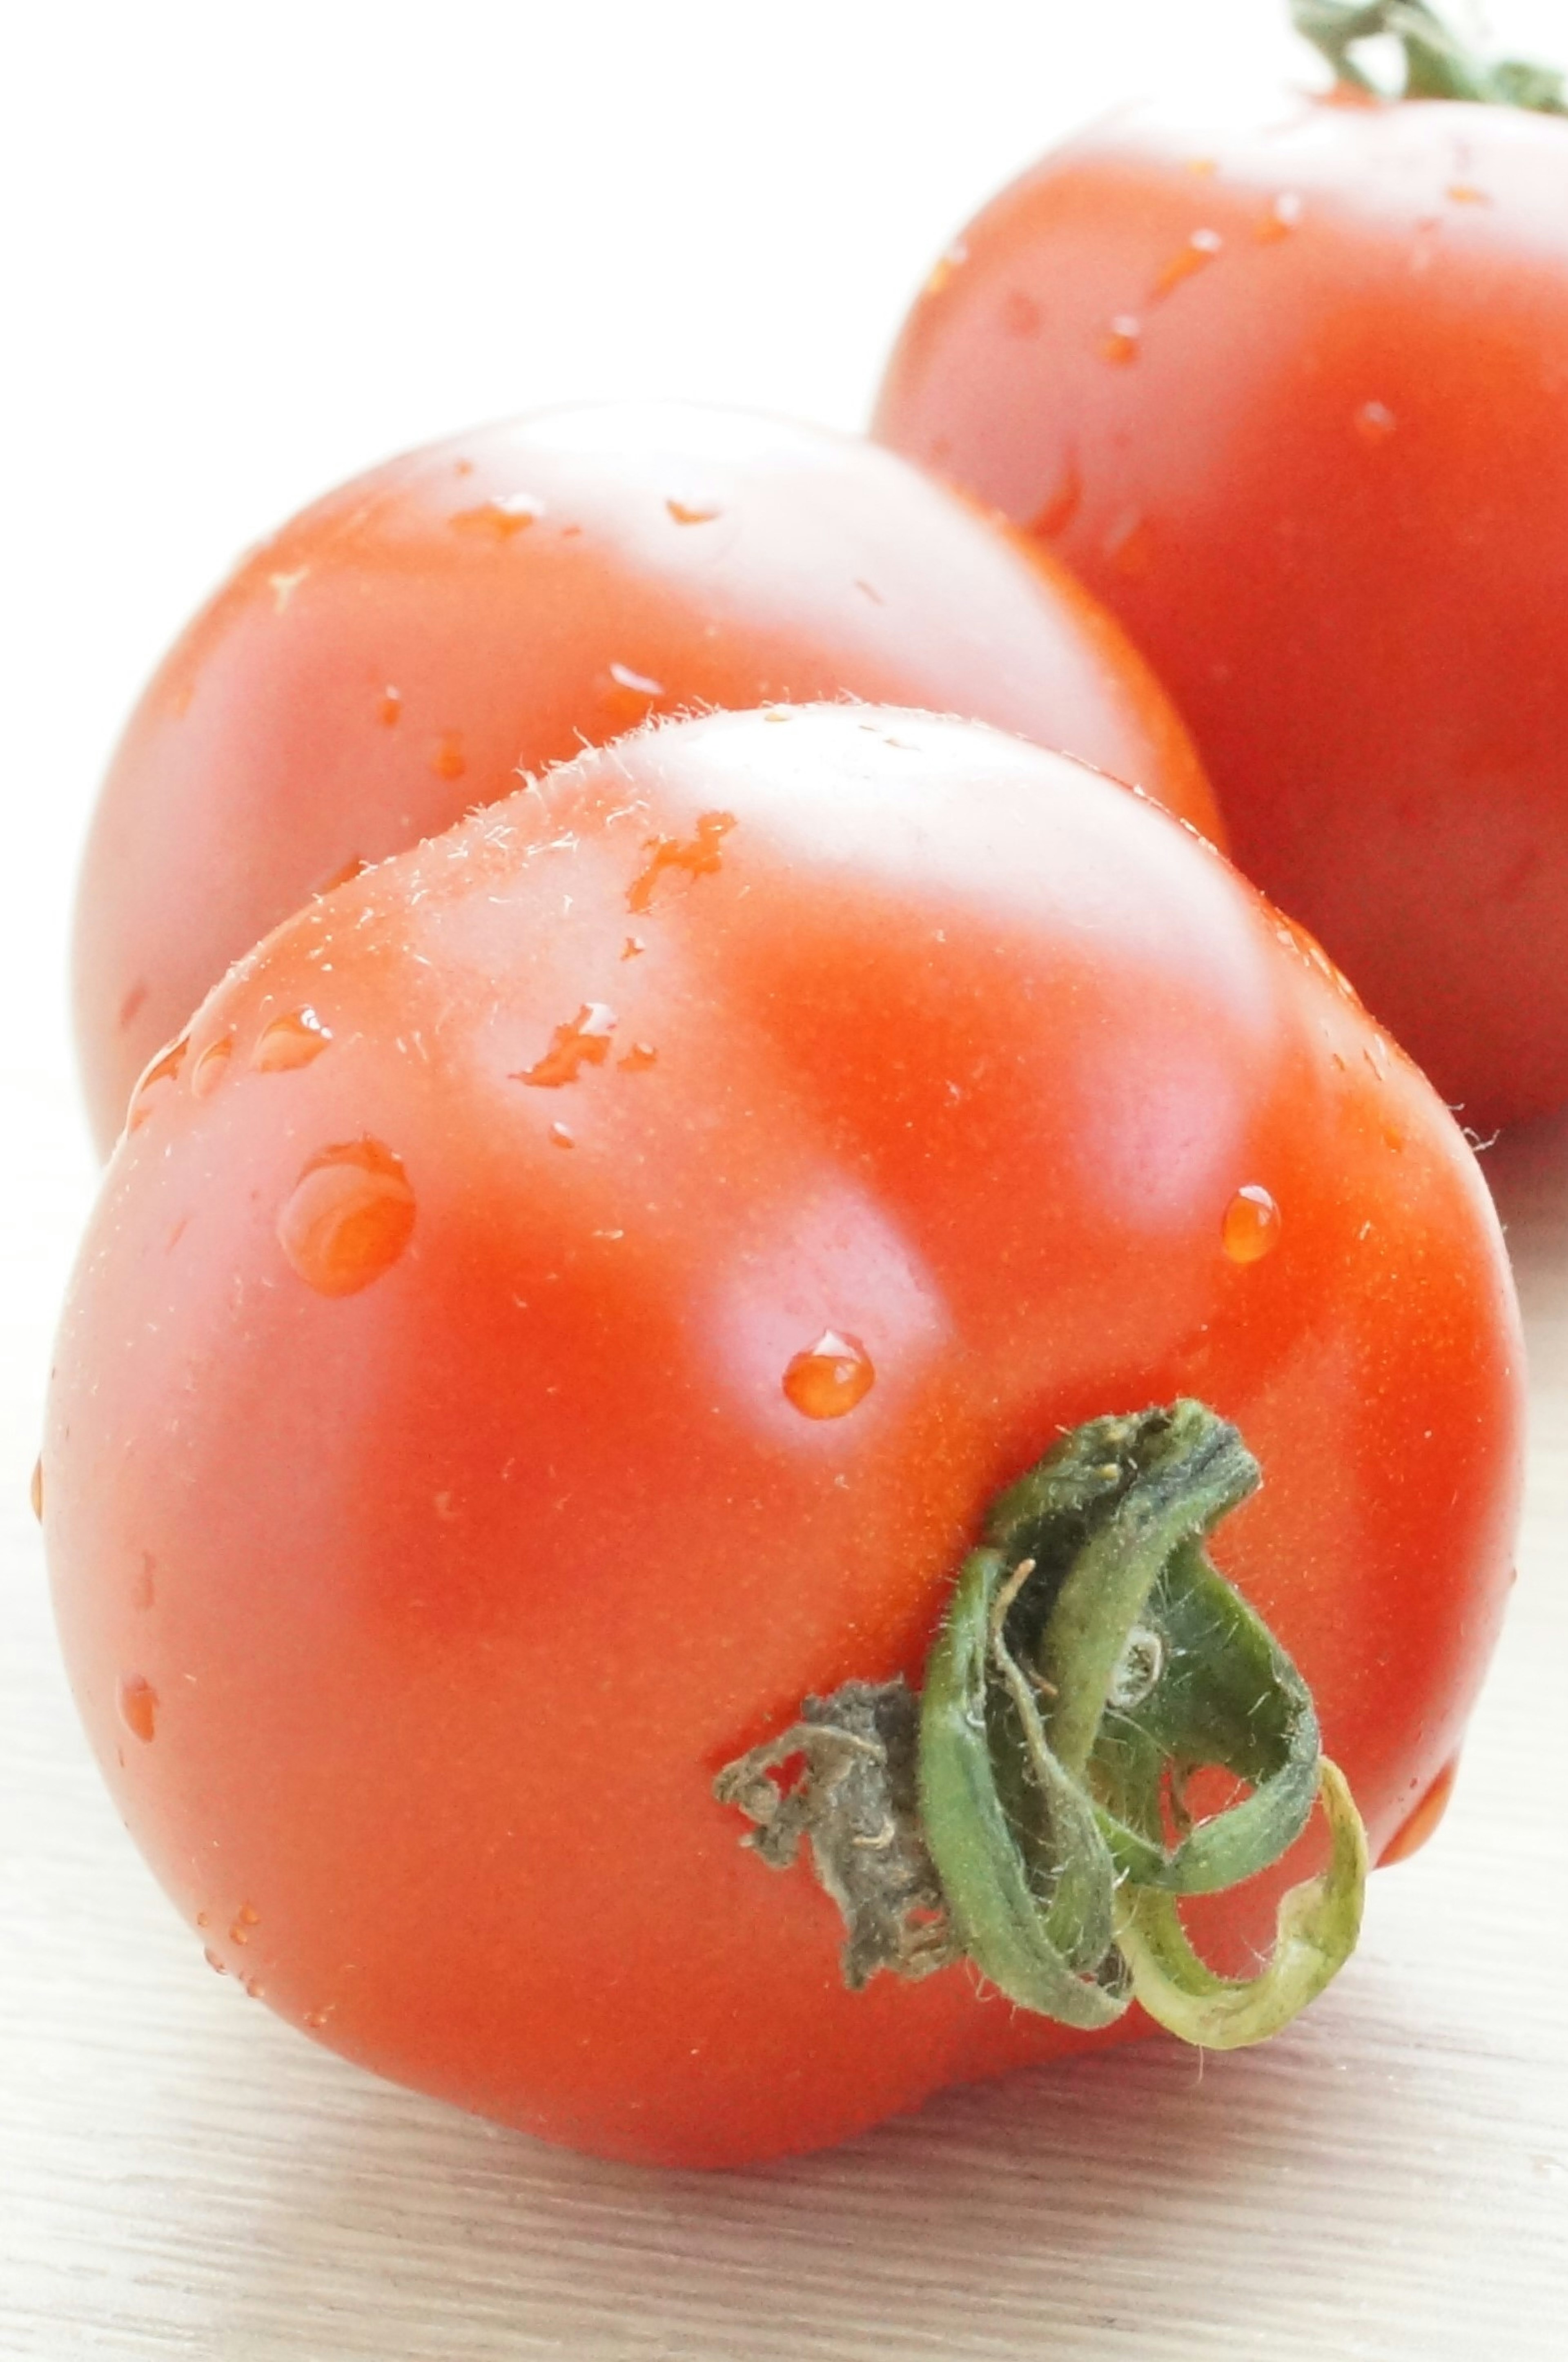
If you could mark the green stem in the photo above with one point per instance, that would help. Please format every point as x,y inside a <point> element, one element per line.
<point>1027,1811</point>
<point>1437,63</point>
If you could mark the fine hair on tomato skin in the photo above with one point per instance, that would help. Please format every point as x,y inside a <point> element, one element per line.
<point>501,1489</point>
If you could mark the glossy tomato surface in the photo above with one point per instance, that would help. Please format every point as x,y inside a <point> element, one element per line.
<point>436,1493</point>
<point>398,653</point>
<point>1289,393</point>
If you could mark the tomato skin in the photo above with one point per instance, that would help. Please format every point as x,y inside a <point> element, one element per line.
<point>1288,394</point>
<point>453,1591</point>
<point>401,650</point>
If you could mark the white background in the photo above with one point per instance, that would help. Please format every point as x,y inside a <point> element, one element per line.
<point>249,250</point>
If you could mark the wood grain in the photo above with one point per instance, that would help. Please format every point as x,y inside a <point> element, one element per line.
<point>183,2177</point>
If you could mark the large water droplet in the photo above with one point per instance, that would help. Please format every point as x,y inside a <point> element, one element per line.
<point>212,1066</point>
<point>583,1040</point>
<point>159,1070</point>
<point>138,1707</point>
<point>830,1377</point>
<point>1250,1226</point>
<point>290,1041</point>
<point>349,1218</point>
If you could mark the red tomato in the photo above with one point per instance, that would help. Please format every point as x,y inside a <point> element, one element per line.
<point>572,1294</point>
<point>1289,394</point>
<point>404,648</point>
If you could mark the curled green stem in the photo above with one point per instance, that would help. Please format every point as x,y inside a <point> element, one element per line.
<point>1029,1810</point>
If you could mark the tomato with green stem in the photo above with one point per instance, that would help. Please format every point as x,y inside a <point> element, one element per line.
<point>402,650</point>
<point>1286,390</point>
<point>792,1211</point>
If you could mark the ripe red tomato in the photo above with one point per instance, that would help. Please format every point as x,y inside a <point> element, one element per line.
<point>1288,394</point>
<point>399,652</point>
<point>571,1295</point>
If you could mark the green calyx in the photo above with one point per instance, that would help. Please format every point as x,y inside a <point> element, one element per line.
<point>1437,64</point>
<point>1027,1811</point>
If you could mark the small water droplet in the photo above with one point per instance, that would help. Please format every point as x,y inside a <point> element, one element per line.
<point>1465,192</point>
<point>1280,219</point>
<point>134,1000</point>
<point>284,587</point>
<point>239,1935</point>
<point>158,1070</point>
<point>255,1989</point>
<point>640,684</point>
<point>214,1962</point>
<point>247,1915</point>
<point>583,1040</point>
<point>699,855</point>
<point>1130,546</point>
<point>1121,339</point>
<point>211,1066</point>
<point>35,1490</point>
<point>562,1136</point>
<point>830,1377</point>
<point>1203,165</point>
<point>138,1707</point>
<point>500,517</point>
<point>693,512</point>
<point>1057,511</point>
<point>349,1218</point>
<point>390,711</point>
<point>1250,1226</point>
<point>292,1039</point>
<point>1375,422</point>
<point>145,1588</point>
<point>204,1918</point>
<point>314,2019</point>
<point>640,1055</point>
<point>1199,251</point>
<point>946,265</point>
<point>449,761</point>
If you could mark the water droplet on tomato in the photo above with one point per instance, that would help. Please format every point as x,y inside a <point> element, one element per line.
<point>391,709</point>
<point>698,855</point>
<point>1418,1825</point>
<point>159,1070</point>
<point>35,1490</point>
<point>449,761</point>
<point>1465,192</point>
<point>212,1066</point>
<point>133,1001</point>
<point>254,1989</point>
<point>583,1040</point>
<point>1250,1226</point>
<point>562,1136</point>
<point>1280,219</point>
<point>692,513</point>
<point>1375,422</point>
<point>946,265</point>
<point>349,1218</point>
<point>138,1707</point>
<point>641,1055</point>
<point>314,2019</point>
<point>1130,546</point>
<point>500,517</point>
<point>1121,339</point>
<point>1200,250</point>
<point>830,1377</point>
<point>1057,511</point>
<point>214,1962</point>
<point>290,1041</point>
<point>633,948</point>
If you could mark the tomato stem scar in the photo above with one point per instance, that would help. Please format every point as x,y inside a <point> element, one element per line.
<point>1027,1810</point>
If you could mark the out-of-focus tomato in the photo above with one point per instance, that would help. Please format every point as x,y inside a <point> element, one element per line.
<point>1288,391</point>
<point>398,653</point>
<point>571,1295</point>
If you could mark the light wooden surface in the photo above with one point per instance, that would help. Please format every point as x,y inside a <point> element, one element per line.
<point>183,2177</point>
<point>257,252</point>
